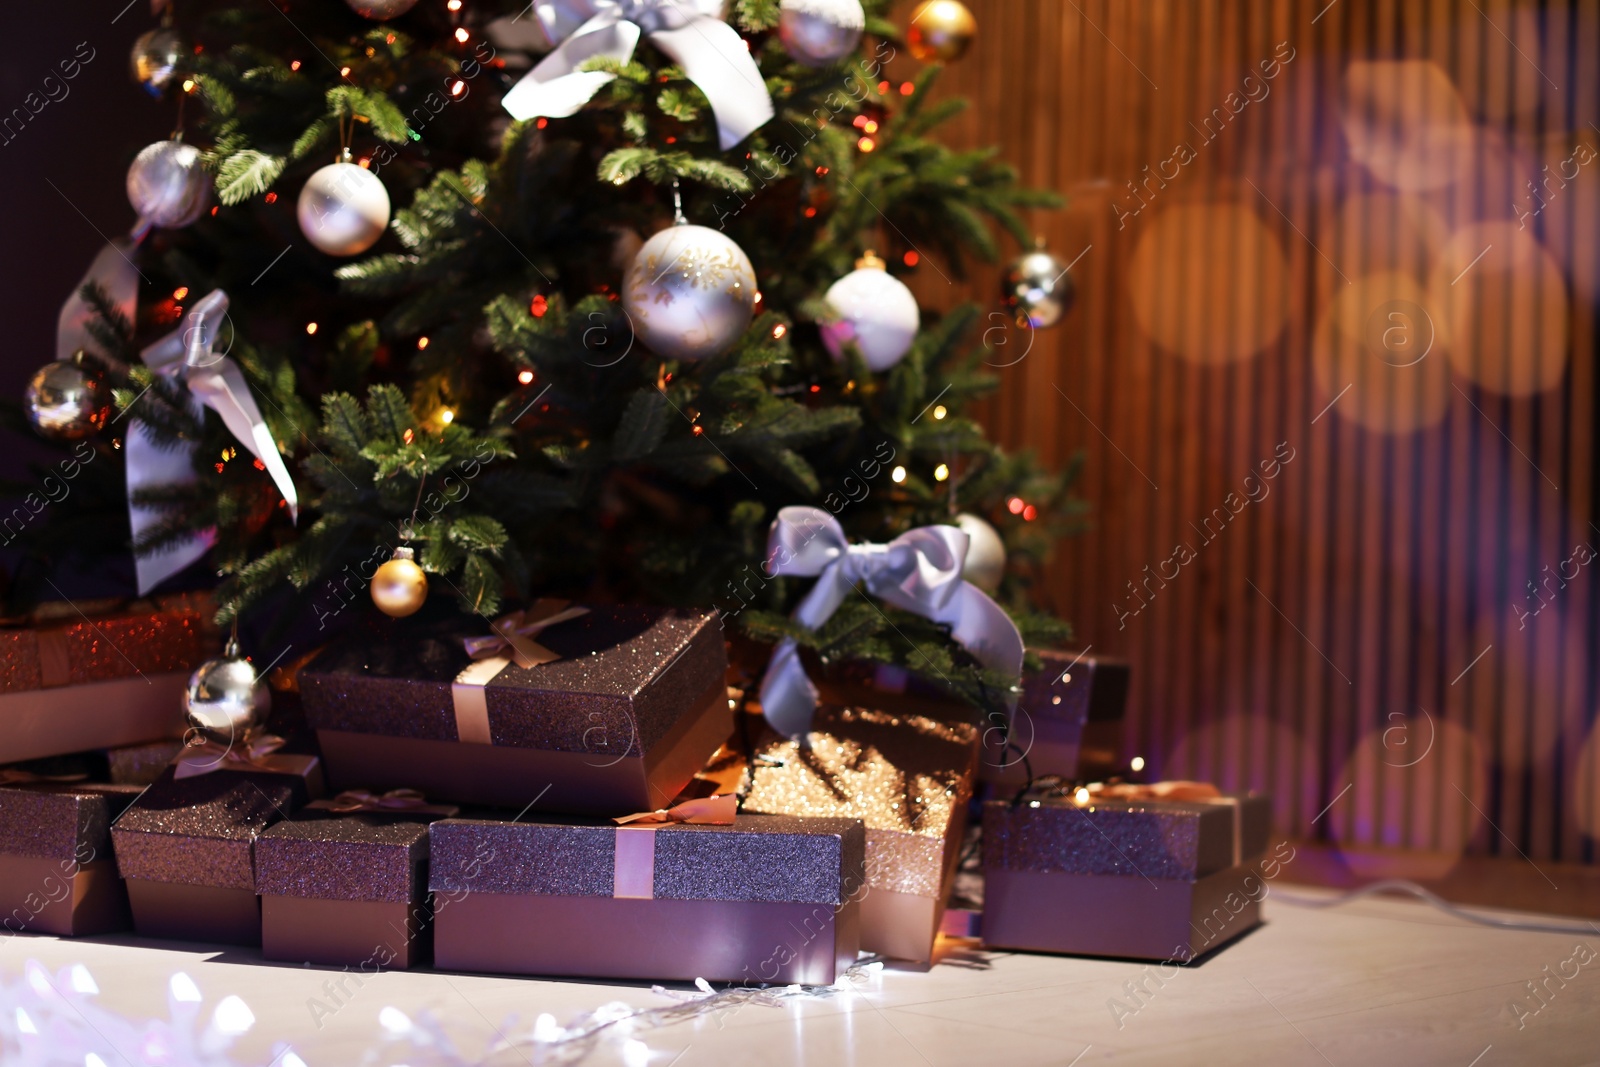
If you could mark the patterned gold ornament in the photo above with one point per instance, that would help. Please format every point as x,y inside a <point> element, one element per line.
<point>690,292</point>
<point>941,30</point>
<point>399,587</point>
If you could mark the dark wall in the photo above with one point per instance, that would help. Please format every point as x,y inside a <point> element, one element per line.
<point>62,173</point>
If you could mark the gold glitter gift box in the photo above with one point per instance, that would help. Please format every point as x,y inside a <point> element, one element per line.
<point>56,872</point>
<point>763,899</point>
<point>1140,879</point>
<point>621,720</point>
<point>75,677</point>
<point>908,778</point>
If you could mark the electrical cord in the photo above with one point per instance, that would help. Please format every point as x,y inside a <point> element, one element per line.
<point>1403,886</point>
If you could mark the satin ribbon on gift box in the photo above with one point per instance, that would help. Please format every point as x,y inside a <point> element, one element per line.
<point>253,752</point>
<point>689,32</point>
<point>633,869</point>
<point>919,571</point>
<point>511,642</point>
<point>394,801</point>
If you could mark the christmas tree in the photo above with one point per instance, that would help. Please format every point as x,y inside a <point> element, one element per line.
<point>499,377</point>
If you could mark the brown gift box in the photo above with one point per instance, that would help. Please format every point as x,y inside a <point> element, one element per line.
<point>766,899</point>
<point>56,872</point>
<point>185,848</point>
<point>346,889</point>
<point>1068,720</point>
<point>621,722</point>
<point>74,680</point>
<point>908,778</point>
<point>1139,879</point>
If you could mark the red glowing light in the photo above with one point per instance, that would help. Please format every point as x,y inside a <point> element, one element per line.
<point>1015,505</point>
<point>1030,513</point>
<point>906,88</point>
<point>272,198</point>
<point>538,306</point>
<point>912,259</point>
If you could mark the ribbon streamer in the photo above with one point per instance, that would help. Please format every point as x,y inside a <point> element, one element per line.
<point>252,753</point>
<point>354,800</point>
<point>919,571</point>
<point>703,811</point>
<point>511,642</point>
<point>214,381</point>
<point>689,32</point>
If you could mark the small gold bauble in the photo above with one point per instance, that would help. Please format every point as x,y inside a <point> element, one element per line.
<point>399,587</point>
<point>941,30</point>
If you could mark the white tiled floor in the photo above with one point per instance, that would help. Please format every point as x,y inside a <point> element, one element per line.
<point>1371,983</point>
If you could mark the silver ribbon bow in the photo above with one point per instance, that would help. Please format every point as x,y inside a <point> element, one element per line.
<point>216,382</point>
<point>919,571</point>
<point>690,32</point>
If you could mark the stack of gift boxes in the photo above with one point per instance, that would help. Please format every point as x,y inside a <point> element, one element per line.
<point>574,794</point>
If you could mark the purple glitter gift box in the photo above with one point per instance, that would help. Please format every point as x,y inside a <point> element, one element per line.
<point>765,899</point>
<point>185,848</point>
<point>56,872</point>
<point>347,889</point>
<point>1142,879</point>
<point>621,721</point>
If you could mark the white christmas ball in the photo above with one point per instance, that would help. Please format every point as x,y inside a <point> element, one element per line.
<point>818,32</point>
<point>343,209</point>
<point>690,292</point>
<point>167,186</point>
<point>986,553</point>
<point>875,310</point>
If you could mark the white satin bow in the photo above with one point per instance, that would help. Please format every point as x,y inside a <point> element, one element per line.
<point>215,381</point>
<point>919,571</point>
<point>711,53</point>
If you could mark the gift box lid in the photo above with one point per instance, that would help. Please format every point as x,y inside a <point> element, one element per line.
<point>759,858</point>
<point>348,856</point>
<point>199,831</point>
<point>1155,839</point>
<point>59,644</point>
<point>624,671</point>
<point>906,777</point>
<point>1076,688</point>
<point>60,820</point>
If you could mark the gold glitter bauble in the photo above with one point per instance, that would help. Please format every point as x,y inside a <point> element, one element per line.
<point>941,30</point>
<point>399,587</point>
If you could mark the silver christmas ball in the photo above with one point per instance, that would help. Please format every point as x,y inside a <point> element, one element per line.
<point>155,58</point>
<point>167,185</point>
<point>343,209</point>
<point>66,401</point>
<point>381,9</point>
<point>986,553</point>
<point>818,32</point>
<point>226,698</point>
<point>690,292</point>
<point>1038,289</point>
<point>875,310</point>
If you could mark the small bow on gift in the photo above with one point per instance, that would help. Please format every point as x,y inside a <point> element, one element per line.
<point>690,32</point>
<point>250,753</point>
<point>215,381</point>
<point>704,811</point>
<point>513,634</point>
<point>919,571</point>
<point>354,800</point>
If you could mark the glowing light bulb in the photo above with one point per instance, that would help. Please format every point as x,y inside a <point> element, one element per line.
<point>422,342</point>
<point>1136,763</point>
<point>897,475</point>
<point>779,330</point>
<point>525,377</point>
<point>461,34</point>
<point>940,412</point>
<point>447,416</point>
<point>1081,796</point>
<point>180,292</point>
<point>941,472</point>
<point>311,328</point>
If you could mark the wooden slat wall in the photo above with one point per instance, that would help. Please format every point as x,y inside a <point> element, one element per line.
<point>1319,646</point>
